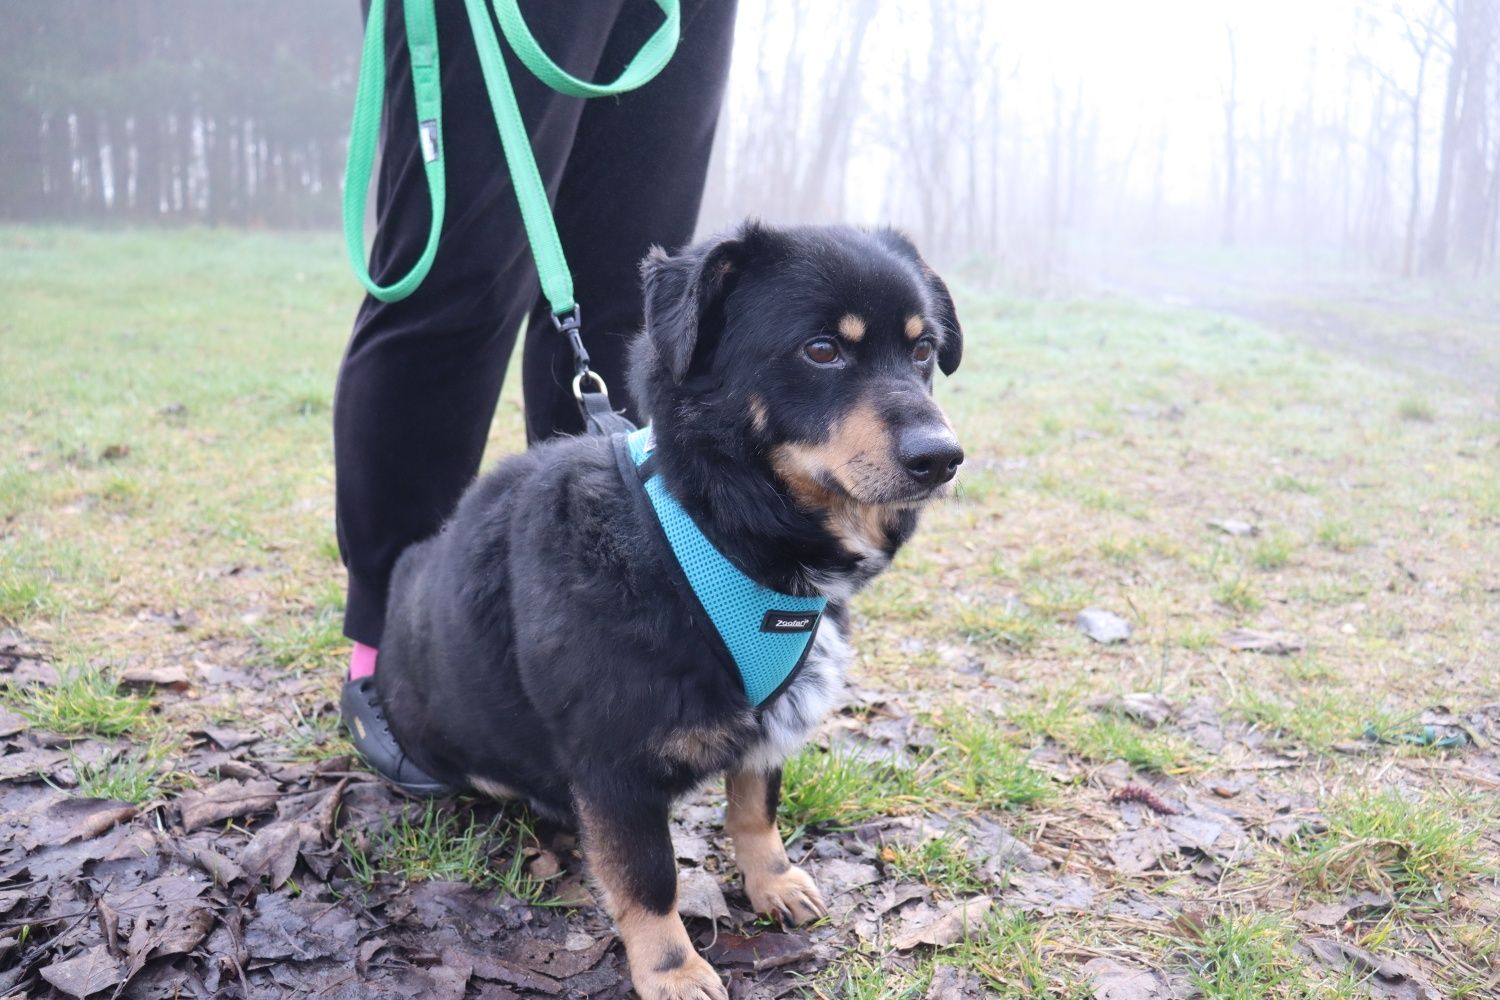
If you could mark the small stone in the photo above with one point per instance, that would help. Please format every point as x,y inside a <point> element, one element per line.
<point>1103,626</point>
<point>1236,529</point>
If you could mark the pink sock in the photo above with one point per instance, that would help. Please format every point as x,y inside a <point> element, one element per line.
<point>362,661</point>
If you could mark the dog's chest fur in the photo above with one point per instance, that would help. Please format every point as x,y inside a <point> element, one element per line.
<point>788,720</point>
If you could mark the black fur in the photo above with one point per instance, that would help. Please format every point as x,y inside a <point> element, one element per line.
<point>537,642</point>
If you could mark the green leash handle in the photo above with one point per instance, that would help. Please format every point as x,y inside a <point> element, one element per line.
<point>364,136</point>
<point>648,61</point>
<point>531,194</point>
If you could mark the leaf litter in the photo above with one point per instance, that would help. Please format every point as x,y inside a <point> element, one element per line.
<point>244,884</point>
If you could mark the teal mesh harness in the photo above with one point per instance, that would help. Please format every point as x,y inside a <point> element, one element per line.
<point>767,634</point>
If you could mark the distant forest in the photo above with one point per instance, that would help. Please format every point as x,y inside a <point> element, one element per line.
<point>951,118</point>
<point>176,109</point>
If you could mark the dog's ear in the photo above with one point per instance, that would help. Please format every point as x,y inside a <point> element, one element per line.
<point>684,297</point>
<point>951,349</point>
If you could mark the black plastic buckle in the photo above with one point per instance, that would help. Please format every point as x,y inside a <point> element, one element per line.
<point>570,323</point>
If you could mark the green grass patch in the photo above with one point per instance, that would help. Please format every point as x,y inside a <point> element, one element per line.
<point>1416,410</point>
<point>839,786</point>
<point>1010,952</point>
<point>1291,484</point>
<point>1000,624</point>
<point>314,735</point>
<point>1054,599</point>
<point>942,863</point>
<point>1246,957</point>
<point>974,762</point>
<point>1416,849</point>
<point>143,775</point>
<point>1272,552</point>
<point>861,977</point>
<point>1316,721</point>
<point>1237,594</point>
<point>1339,536</point>
<point>1123,551</point>
<point>1106,737</point>
<point>443,842</point>
<point>970,763</point>
<point>85,701</point>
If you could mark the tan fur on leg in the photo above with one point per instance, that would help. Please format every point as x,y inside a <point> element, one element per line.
<point>663,963</point>
<point>775,885</point>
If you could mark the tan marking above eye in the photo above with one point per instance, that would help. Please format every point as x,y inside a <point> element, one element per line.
<point>852,327</point>
<point>913,327</point>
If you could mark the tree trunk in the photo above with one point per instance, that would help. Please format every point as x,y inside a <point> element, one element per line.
<point>1435,253</point>
<point>1230,153</point>
<point>1472,180</point>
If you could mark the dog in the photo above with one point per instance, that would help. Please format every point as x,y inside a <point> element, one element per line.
<point>543,646</point>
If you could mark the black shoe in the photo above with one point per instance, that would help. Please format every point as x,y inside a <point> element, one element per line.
<point>365,719</point>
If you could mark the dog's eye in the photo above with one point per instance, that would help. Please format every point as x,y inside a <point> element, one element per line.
<point>821,351</point>
<point>922,353</point>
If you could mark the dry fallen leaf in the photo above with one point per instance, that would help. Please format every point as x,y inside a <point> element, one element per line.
<point>229,799</point>
<point>89,972</point>
<point>951,925</point>
<point>1112,980</point>
<point>699,895</point>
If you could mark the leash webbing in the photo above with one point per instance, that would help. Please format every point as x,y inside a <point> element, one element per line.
<point>364,136</point>
<point>531,194</point>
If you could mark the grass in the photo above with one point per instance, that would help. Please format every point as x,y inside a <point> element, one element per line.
<point>1105,737</point>
<point>974,762</point>
<point>1416,849</point>
<point>1000,625</point>
<point>837,785</point>
<point>1340,536</point>
<point>85,701</point>
<point>1272,552</point>
<point>142,776</point>
<point>863,978</point>
<point>1010,954</point>
<point>943,863</point>
<point>970,762</point>
<point>166,446</point>
<point>1245,957</point>
<point>441,842</point>
<point>1237,594</point>
<point>1317,719</point>
<point>1417,410</point>
<point>307,641</point>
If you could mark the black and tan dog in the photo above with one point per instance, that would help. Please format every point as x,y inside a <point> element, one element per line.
<point>542,645</point>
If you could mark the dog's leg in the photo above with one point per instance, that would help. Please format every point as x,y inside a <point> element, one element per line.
<point>775,885</point>
<point>628,844</point>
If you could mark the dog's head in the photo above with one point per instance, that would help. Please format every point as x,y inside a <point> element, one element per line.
<point>814,348</point>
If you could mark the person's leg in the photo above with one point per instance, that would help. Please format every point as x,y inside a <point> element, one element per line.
<point>635,177</point>
<point>418,384</point>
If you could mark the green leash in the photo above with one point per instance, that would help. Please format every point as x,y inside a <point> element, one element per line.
<point>531,194</point>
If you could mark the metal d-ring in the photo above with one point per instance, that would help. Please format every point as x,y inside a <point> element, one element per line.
<point>578,384</point>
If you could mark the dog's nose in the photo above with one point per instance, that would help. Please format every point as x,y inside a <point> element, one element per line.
<point>930,457</point>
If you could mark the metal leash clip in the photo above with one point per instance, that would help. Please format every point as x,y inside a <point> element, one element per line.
<point>570,324</point>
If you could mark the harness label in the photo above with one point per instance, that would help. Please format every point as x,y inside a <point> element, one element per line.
<point>789,621</point>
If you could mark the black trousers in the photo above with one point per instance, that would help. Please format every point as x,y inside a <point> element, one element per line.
<point>419,382</point>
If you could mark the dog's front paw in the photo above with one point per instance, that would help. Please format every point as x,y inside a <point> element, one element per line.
<point>791,895</point>
<point>690,978</point>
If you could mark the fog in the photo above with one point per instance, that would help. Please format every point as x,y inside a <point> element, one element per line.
<point>1041,141</point>
<point>1036,145</point>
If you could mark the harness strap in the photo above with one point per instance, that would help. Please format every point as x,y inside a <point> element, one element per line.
<point>765,634</point>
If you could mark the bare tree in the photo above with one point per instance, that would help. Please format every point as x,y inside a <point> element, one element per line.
<point>1231,181</point>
